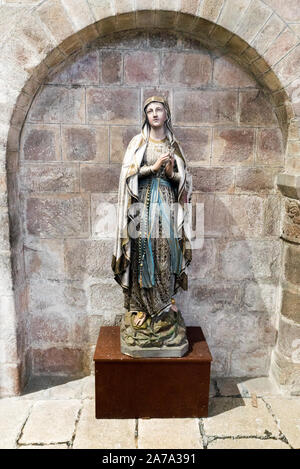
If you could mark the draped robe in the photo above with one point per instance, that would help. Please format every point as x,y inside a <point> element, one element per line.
<point>129,193</point>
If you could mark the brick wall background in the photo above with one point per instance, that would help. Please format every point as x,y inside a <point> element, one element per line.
<point>72,144</point>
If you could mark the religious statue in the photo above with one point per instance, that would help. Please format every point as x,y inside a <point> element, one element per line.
<point>152,248</point>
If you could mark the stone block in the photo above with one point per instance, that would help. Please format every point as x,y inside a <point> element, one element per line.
<point>169,433</point>
<point>99,178</point>
<point>46,106</point>
<point>281,46</point>
<point>247,443</point>
<point>233,147</point>
<point>189,6</point>
<point>45,330</point>
<point>88,259</point>
<point>271,224</point>
<point>210,9</point>
<point>141,67</point>
<point>125,21</point>
<point>49,178</point>
<point>120,137</point>
<point>145,18</point>
<point>101,9</point>
<point>10,384</point>
<point>44,258</point>
<point>85,143</point>
<point>286,69</point>
<point>292,263</point>
<point>58,216</point>
<point>106,298</point>
<point>111,67</point>
<point>103,433</point>
<point>248,259</point>
<point>205,106</point>
<point>165,19</point>
<point>63,361</point>
<point>253,20</point>
<point>67,297</point>
<point>270,147</point>
<point>242,418</point>
<point>227,19</point>
<point>204,261</point>
<point>5,273</point>
<point>212,179</point>
<point>62,414</point>
<point>259,179</point>
<point>88,34</point>
<point>159,40</point>
<point>220,364</point>
<point>73,106</point>
<point>285,372</point>
<point>186,69</point>
<point>4,231</point>
<point>104,215</point>
<point>7,314</point>
<point>290,305</point>
<point>54,18</point>
<point>81,71</point>
<point>287,412</point>
<point>261,296</point>
<point>115,106</point>
<point>227,74</point>
<point>268,34</point>
<point>288,337</point>
<point>79,12</point>
<point>232,215</point>
<point>8,349</point>
<point>14,413</point>
<point>288,10</point>
<point>224,297</point>
<point>255,109</point>
<point>41,143</point>
<point>195,142</point>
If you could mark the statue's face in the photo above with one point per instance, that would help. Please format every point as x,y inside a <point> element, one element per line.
<point>156,114</point>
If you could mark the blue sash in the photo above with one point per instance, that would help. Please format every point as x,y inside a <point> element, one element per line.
<point>155,206</point>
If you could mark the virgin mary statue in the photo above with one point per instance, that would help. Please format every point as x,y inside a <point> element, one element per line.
<point>152,248</point>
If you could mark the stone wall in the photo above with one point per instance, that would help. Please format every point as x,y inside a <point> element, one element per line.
<point>72,144</point>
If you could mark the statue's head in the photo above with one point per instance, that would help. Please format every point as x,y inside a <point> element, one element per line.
<point>164,114</point>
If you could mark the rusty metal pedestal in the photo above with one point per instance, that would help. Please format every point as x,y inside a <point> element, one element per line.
<point>127,387</point>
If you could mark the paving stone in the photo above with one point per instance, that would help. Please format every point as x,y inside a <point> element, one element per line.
<point>287,413</point>
<point>70,390</point>
<point>95,433</point>
<point>14,413</point>
<point>247,443</point>
<point>230,387</point>
<point>64,446</point>
<point>169,433</point>
<point>236,417</point>
<point>88,387</point>
<point>262,386</point>
<point>51,422</point>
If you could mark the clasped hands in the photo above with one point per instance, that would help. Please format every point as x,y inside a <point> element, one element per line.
<point>167,159</point>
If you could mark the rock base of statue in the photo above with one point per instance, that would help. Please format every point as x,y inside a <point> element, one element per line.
<point>162,336</point>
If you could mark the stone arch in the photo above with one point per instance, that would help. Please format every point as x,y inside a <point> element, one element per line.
<point>53,30</point>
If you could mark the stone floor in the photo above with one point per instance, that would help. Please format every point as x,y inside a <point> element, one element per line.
<point>243,414</point>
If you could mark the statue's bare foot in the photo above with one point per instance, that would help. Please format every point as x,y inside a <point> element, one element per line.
<point>173,306</point>
<point>139,319</point>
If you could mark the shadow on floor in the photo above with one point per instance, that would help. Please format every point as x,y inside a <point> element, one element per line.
<point>41,383</point>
